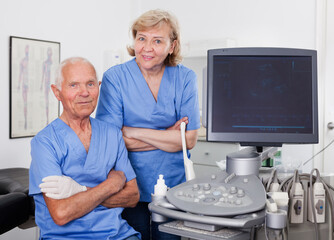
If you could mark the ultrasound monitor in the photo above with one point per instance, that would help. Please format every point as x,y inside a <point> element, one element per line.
<point>262,96</point>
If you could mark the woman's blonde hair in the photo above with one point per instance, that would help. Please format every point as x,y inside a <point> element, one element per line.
<point>154,18</point>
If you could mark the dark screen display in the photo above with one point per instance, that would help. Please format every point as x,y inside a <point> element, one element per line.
<point>262,94</point>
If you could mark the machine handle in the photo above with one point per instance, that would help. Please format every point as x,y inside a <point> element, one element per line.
<point>330,125</point>
<point>240,221</point>
<point>188,164</point>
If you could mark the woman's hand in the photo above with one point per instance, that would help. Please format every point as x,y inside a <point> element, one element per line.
<point>133,144</point>
<point>168,140</point>
<point>127,131</point>
<point>177,125</point>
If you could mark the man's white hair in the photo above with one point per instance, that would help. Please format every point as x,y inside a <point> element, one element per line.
<point>59,73</point>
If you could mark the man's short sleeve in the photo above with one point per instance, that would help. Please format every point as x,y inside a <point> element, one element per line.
<point>44,162</point>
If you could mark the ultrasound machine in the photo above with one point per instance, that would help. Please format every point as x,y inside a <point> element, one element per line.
<point>260,98</point>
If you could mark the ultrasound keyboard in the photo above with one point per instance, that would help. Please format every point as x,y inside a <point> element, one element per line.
<point>219,195</point>
<point>178,228</point>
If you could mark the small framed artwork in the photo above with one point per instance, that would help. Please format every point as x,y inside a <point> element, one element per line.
<point>33,65</point>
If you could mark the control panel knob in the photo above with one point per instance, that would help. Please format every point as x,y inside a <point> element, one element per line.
<point>241,193</point>
<point>196,187</point>
<point>206,186</point>
<point>233,190</point>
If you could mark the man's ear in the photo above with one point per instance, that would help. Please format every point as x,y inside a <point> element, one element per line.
<point>55,91</point>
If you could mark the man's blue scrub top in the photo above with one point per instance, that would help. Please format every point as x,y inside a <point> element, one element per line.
<point>126,99</point>
<point>57,150</point>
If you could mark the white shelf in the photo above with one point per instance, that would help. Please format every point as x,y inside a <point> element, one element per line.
<point>199,48</point>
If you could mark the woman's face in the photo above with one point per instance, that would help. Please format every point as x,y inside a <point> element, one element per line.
<point>152,47</point>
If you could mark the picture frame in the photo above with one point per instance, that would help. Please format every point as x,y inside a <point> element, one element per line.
<point>33,65</point>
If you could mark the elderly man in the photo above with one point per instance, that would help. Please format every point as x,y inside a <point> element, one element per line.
<point>80,175</point>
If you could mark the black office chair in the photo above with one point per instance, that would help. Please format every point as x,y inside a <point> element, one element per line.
<point>17,208</point>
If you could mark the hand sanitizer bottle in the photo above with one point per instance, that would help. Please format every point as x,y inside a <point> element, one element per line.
<point>160,190</point>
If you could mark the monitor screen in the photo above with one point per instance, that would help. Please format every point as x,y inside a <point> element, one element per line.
<point>262,96</point>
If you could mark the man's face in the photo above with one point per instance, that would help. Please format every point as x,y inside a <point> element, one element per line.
<point>79,91</point>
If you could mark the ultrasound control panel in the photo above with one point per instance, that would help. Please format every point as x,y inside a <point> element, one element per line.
<point>219,194</point>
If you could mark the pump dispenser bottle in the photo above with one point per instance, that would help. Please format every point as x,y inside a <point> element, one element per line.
<point>160,190</point>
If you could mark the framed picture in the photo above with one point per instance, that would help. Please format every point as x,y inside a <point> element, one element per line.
<point>33,64</point>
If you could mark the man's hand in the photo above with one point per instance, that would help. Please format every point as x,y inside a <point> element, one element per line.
<point>118,179</point>
<point>59,187</point>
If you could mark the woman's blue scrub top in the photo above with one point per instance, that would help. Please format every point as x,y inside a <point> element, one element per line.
<point>126,99</point>
<point>57,150</point>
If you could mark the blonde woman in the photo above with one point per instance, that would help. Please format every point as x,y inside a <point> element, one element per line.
<point>148,97</point>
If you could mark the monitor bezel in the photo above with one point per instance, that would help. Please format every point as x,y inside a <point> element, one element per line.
<point>262,139</point>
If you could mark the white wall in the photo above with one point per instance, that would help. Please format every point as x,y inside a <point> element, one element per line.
<point>284,23</point>
<point>256,23</point>
<point>84,28</point>
<point>92,28</point>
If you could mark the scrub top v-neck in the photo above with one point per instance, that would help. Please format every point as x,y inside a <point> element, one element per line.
<point>126,100</point>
